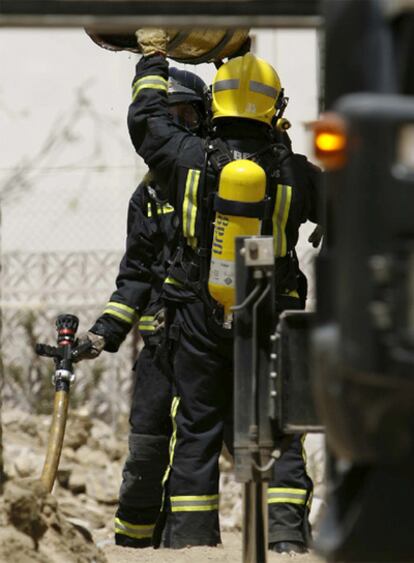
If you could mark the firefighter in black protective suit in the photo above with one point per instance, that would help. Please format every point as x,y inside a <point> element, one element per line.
<point>245,93</point>
<point>151,241</point>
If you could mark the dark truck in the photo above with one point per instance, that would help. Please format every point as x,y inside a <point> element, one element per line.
<point>349,367</point>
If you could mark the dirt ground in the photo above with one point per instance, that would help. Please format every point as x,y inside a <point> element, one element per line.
<point>66,527</point>
<point>229,553</point>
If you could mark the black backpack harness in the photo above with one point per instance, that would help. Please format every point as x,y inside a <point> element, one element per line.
<point>191,265</point>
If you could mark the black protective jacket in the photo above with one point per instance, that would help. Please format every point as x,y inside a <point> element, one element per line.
<point>151,239</point>
<point>181,164</point>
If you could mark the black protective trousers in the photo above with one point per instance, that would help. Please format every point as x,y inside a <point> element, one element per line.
<point>203,377</point>
<point>141,489</point>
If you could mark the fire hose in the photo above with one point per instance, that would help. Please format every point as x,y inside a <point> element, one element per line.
<point>64,354</point>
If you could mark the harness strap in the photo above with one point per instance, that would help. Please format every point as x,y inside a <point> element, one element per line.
<point>254,210</point>
<point>218,154</point>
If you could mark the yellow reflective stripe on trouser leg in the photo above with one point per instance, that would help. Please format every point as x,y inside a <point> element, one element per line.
<point>174,407</point>
<point>121,311</point>
<point>194,503</point>
<point>190,205</point>
<point>150,81</point>
<point>286,495</point>
<point>137,531</point>
<point>280,217</point>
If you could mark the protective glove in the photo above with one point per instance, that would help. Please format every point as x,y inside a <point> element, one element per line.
<point>96,345</point>
<point>316,236</point>
<point>152,41</point>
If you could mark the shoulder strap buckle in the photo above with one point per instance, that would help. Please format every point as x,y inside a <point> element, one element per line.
<point>218,154</point>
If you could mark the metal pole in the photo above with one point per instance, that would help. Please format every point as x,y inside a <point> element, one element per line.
<point>255,522</point>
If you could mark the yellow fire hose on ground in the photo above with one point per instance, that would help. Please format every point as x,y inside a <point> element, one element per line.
<point>64,354</point>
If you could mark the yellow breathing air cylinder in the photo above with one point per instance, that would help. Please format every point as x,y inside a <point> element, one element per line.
<point>242,181</point>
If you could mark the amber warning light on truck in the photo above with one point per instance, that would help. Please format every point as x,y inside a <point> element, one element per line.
<point>330,141</point>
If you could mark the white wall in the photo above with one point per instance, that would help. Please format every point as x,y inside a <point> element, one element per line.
<point>294,55</point>
<point>73,193</point>
<point>67,167</point>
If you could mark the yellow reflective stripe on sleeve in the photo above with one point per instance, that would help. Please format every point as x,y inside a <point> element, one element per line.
<point>147,323</point>
<point>286,495</point>
<point>137,531</point>
<point>194,503</point>
<point>150,81</point>
<point>118,315</point>
<point>190,204</point>
<point>280,217</point>
<point>174,407</point>
<point>153,86</point>
<point>121,311</point>
<point>121,306</point>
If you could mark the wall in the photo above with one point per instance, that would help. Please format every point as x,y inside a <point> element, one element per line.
<point>67,167</point>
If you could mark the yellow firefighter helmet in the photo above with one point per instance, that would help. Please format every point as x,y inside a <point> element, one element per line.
<point>246,87</point>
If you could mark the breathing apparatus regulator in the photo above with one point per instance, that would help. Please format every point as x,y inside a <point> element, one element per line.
<point>280,122</point>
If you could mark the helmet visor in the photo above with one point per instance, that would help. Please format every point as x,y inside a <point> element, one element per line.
<point>185,115</point>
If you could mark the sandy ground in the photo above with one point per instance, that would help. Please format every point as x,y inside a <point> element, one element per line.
<point>80,513</point>
<point>229,553</point>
